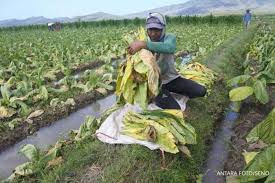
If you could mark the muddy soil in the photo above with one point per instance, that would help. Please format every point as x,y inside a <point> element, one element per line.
<point>251,115</point>
<point>50,115</point>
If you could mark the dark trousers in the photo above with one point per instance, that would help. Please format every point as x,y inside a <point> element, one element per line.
<point>181,86</point>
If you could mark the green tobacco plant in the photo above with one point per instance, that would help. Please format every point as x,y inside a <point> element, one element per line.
<point>10,103</point>
<point>35,157</point>
<point>265,130</point>
<point>259,69</point>
<point>248,86</point>
<point>262,161</point>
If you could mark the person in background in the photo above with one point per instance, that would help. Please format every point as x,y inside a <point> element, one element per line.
<point>247,19</point>
<point>163,46</point>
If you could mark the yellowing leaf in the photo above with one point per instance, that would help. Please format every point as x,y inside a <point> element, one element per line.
<point>138,68</point>
<point>232,179</point>
<point>185,151</point>
<point>141,34</point>
<point>141,68</point>
<point>55,162</point>
<point>129,91</point>
<point>70,101</point>
<point>240,93</point>
<point>35,114</point>
<point>6,112</point>
<point>153,73</point>
<point>102,91</point>
<point>248,156</point>
<point>175,112</point>
<point>141,95</point>
<point>24,169</point>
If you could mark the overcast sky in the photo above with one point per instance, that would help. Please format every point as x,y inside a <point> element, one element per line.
<point>21,9</point>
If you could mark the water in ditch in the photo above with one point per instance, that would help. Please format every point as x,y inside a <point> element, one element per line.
<point>49,135</point>
<point>219,150</point>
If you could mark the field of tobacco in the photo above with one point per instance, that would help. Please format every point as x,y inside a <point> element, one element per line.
<point>45,76</point>
<point>42,69</point>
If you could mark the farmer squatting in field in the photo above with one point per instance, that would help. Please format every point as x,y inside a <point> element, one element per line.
<point>163,46</point>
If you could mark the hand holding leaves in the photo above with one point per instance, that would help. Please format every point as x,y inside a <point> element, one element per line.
<point>136,46</point>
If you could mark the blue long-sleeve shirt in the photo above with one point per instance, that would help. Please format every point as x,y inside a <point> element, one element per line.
<point>168,45</point>
<point>247,17</point>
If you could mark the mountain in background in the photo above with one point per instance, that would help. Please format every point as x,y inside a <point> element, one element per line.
<point>96,17</point>
<point>31,21</point>
<point>192,7</point>
<point>42,20</point>
<point>216,7</point>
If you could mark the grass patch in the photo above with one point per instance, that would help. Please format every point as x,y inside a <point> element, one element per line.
<point>228,58</point>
